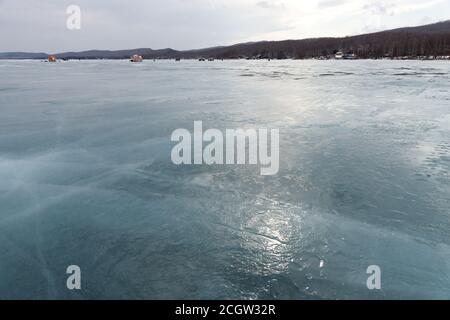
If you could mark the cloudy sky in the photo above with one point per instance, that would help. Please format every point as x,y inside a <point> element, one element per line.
<point>40,25</point>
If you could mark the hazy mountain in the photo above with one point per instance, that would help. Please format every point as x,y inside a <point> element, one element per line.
<point>118,54</point>
<point>22,55</point>
<point>433,39</point>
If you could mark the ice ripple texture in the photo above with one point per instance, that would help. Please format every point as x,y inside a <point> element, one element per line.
<point>86,179</point>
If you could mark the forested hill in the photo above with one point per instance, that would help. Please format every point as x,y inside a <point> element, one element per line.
<point>429,40</point>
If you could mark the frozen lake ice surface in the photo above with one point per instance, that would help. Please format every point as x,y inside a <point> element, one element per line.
<point>86,179</point>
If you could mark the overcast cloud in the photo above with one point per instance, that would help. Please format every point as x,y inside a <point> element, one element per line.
<point>40,25</point>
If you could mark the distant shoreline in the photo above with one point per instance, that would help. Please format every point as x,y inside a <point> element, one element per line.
<point>439,58</point>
